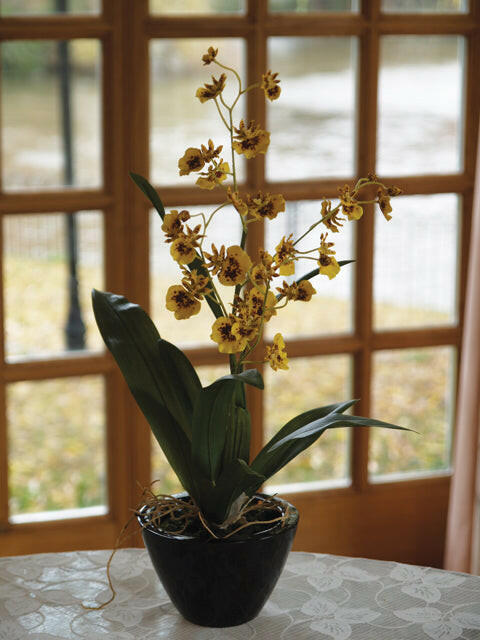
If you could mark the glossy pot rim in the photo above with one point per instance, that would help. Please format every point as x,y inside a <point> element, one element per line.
<point>268,533</point>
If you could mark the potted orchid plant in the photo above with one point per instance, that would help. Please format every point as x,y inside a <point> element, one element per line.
<point>221,529</point>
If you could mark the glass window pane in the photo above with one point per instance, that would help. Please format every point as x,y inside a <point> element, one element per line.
<point>197,6</point>
<point>46,7</point>
<point>416,263</point>
<point>330,309</point>
<point>56,435</point>
<point>420,105</point>
<point>424,6</point>
<point>312,382</point>
<point>38,267</point>
<point>162,475</point>
<point>413,388</point>
<point>225,230</point>
<point>312,123</point>
<point>178,120</point>
<point>312,5</point>
<point>51,97</point>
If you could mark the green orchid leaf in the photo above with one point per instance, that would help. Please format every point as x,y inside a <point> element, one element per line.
<point>235,485</point>
<point>150,192</point>
<point>133,341</point>
<point>146,361</point>
<point>213,414</point>
<point>180,383</point>
<point>249,376</point>
<point>237,438</point>
<point>334,420</point>
<point>268,462</point>
<point>277,455</point>
<point>171,438</point>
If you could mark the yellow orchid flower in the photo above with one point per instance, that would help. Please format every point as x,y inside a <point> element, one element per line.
<point>181,302</point>
<point>209,56</point>
<point>265,205</point>
<point>276,355</point>
<point>270,85</point>
<point>327,264</point>
<point>172,224</point>
<point>237,201</point>
<point>223,335</point>
<point>192,160</point>
<point>303,291</point>
<point>254,299</point>
<point>216,175</point>
<point>235,266</point>
<point>250,140</point>
<point>285,256</point>
<point>384,204</point>
<point>210,91</point>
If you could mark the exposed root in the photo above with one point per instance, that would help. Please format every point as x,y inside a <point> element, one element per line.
<point>178,516</point>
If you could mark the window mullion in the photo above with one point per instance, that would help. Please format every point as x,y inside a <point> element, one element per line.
<point>134,209</point>
<point>366,157</point>
<point>256,110</point>
<point>3,416</point>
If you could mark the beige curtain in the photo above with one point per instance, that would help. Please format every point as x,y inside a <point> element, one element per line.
<point>462,552</point>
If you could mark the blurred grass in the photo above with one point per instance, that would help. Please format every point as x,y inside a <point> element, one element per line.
<point>56,444</point>
<point>57,427</point>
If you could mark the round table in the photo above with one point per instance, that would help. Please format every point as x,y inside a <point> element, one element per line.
<point>318,596</point>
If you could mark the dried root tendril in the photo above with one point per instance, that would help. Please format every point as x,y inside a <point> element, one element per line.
<point>155,508</point>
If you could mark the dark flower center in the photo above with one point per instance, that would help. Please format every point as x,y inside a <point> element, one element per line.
<point>250,143</point>
<point>194,163</point>
<point>232,269</point>
<point>226,332</point>
<point>183,299</point>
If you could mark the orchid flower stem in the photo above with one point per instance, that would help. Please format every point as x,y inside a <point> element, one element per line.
<point>256,85</point>
<point>234,73</point>
<point>302,253</point>
<point>221,114</point>
<point>233,151</point>
<point>315,224</point>
<point>224,204</point>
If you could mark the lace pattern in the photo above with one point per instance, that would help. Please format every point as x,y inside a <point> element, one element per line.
<point>318,596</point>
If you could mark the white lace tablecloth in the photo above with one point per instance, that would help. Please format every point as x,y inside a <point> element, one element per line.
<point>317,596</point>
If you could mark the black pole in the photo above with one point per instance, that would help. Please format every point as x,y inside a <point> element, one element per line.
<point>74,327</point>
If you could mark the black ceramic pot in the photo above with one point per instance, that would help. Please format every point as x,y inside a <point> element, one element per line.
<point>221,583</point>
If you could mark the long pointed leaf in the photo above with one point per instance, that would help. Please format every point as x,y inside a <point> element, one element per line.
<point>171,439</point>
<point>133,341</point>
<point>180,383</point>
<point>268,462</point>
<point>212,415</point>
<point>287,448</point>
<point>150,192</point>
<point>237,438</point>
<point>334,420</point>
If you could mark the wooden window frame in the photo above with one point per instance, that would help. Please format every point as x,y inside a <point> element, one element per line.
<point>365,517</point>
